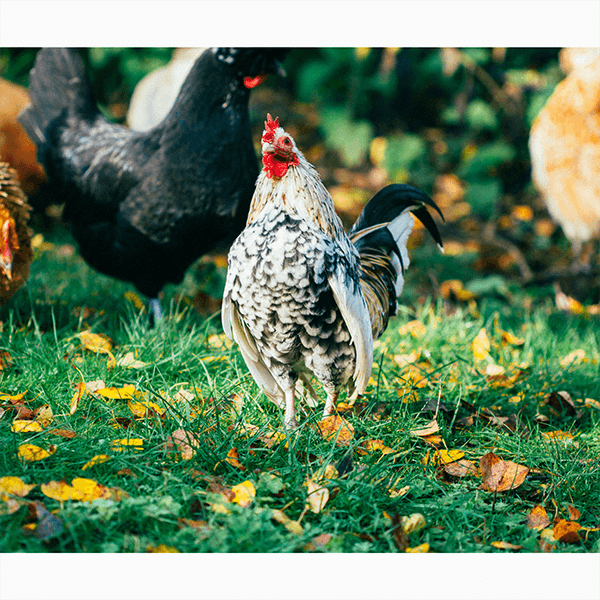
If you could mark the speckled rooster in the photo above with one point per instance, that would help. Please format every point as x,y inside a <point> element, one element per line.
<point>15,237</point>
<point>301,295</point>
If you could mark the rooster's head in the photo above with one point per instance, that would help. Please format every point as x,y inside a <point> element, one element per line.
<point>279,150</point>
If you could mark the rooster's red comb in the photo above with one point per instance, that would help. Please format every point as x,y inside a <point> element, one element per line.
<point>270,127</point>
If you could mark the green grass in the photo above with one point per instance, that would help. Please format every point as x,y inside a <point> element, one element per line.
<point>160,489</point>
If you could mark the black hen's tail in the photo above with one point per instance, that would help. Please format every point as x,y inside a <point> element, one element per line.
<point>58,87</point>
<point>380,235</point>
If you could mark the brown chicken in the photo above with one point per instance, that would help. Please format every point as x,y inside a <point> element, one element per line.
<point>15,237</point>
<point>16,148</point>
<point>565,147</point>
<point>302,296</point>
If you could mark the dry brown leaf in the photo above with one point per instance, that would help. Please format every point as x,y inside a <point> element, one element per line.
<point>44,415</point>
<point>65,433</point>
<point>513,477</point>
<point>454,288</point>
<point>318,542</point>
<point>461,468</point>
<point>429,429</point>
<point>492,470</point>
<point>538,518</point>
<point>199,525</point>
<point>338,428</point>
<point>185,442</point>
<point>558,402</point>
<point>574,514</point>
<point>130,362</point>
<point>233,458</point>
<point>566,531</point>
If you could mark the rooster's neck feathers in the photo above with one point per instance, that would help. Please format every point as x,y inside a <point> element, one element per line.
<point>300,193</point>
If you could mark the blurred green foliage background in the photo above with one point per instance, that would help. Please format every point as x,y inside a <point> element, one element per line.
<point>452,121</point>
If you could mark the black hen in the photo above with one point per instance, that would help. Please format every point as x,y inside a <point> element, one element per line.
<point>144,205</point>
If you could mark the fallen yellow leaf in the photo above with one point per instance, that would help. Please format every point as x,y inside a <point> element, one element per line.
<point>22,426</point>
<point>90,489</point>
<point>129,361</point>
<point>338,428</point>
<point>574,358</point>
<point>415,522</point>
<point>96,460</point>
<point>135,300</point>
<point>161,548</point>
<point>421,548</point>
<point>32,453</point>
<point>281,517</point>
<point>447,456</point>
<point>317,496</point>
<point>245,493</point>
<point>505,546</point>
<point>145,408</point>
<point>14,486</point>
<point>60,490</point>
<point>133,443</point>
<point>415,328</point>
<point>123,393</point>
<point>373,445</point>
<point>480,346</point>
<point>95,342</point>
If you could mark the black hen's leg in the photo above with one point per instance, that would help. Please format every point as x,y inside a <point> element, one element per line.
<point>155,311</point>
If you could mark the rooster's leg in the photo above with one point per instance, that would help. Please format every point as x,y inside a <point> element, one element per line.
<point>330,404</point>
<point>290,409</point>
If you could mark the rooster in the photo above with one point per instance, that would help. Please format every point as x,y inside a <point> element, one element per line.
<point>145,205</point>
<point>301,295</point>
<point>15,237</point>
